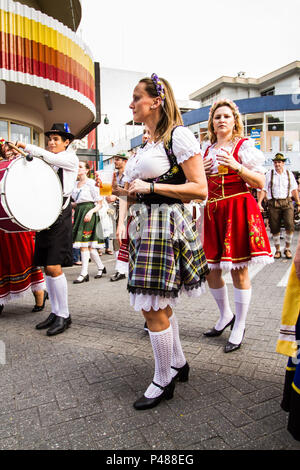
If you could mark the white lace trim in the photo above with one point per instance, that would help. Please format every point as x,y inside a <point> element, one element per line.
<point>156,302</point>
<point>11,296</point>
<point>228,265</point>
<point>98,246</point>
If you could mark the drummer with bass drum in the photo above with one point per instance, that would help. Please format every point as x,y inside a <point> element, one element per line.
<point>53,248</point>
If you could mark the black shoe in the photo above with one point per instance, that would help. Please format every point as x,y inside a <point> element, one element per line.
<point>46,323</point>
<point>59,326</point>
<point>39,308</point>
<point>182,373</point>
<point>146,326</point>
<point>100,273</point>
<point>83,279</point>
<point>117,276</point>
<point>1,308</point>
<point>229,347</point>
<point>214,332</point>
<point>145,403</point>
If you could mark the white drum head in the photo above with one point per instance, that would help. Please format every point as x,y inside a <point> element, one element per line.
<point>33,193</point>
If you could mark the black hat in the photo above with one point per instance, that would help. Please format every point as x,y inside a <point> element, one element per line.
<point>61,129</point>
<point>279,157</point>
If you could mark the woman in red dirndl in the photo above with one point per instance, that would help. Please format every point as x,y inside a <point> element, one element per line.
<point>234,232</point>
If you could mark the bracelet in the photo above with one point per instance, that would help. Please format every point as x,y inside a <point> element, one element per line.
<point>151,188</point>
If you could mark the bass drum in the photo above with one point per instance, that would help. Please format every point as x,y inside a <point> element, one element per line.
<point>31,195</point>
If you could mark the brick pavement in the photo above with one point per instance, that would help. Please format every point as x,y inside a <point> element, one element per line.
<point>75,390</point>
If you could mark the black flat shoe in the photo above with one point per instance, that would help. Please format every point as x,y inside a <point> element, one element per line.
<point>145,403</point>
<point>182,373</point>
<point>1,308</point>
<point>83,279</point>
<point>39,308</point>
<point>59,326</point>
<point>100,273</point>
<point>46,323</point>
<point>117,277</point>
<point>146,327</point>
<point>214,332</point>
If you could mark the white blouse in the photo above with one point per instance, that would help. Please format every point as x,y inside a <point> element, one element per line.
<point>89,192</point>
<point>250,156</point>
<point>152,161</point>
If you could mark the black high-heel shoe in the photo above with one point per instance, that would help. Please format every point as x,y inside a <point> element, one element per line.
<point>229,347</point>
<point>84,279</point>
<point>182,373</point>
<point>145,403</point>
<point>39,308</point>
<point>214,332</point>
<point>100,273</point>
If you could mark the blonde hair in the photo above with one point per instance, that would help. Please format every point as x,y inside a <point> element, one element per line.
<point>238,130</point>
<point>170,113</point>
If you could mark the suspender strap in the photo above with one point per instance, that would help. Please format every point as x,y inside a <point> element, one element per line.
<point>289,183</point>
<point>272,175</point>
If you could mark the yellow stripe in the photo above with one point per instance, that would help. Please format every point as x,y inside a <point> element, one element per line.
<point>296,388</point>
<point>291,368</point>
<point>26,28</point>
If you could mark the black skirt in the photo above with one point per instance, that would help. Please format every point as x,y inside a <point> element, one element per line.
<point>53,246</point>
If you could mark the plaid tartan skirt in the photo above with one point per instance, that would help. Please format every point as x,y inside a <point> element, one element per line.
<point>165,256</point>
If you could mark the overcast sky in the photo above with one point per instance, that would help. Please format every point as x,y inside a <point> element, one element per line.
<point>192,42</point>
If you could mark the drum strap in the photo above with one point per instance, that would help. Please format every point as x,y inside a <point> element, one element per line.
<point>66,200</point>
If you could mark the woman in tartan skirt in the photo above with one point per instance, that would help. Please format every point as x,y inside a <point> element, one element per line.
<point>87,202</point>
<point>165,253</point>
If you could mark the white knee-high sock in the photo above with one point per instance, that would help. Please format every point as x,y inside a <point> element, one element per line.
<point>52,294</point>
<point>178,357</point>
<point>221,297</point>
<point>61,291</point>
<point>85,257</point>
<point>162,345</point>
<point>96,258</point>
<point>242,299</point>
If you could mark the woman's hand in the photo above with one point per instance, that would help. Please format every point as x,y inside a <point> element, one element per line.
<point>139,186</point>
<point>227,159</point>
<point>207,164</point>
<point>88,216</point>
<point>121,232</point>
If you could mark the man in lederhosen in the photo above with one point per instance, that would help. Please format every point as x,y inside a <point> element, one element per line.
<point>53,246</point>
<point>279,189</point>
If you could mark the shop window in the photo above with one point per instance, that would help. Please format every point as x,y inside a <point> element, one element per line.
<point>292,116</point>
<point>4,130</point>
<point>292,137</point>
<point>19,132</point>
<point>270,91</point>
<point>257,134</point>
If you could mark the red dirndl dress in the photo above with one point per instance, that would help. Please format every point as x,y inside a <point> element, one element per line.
<point>17,272</point>
<point>234,231</point>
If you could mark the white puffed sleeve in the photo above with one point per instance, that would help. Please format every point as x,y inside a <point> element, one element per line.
<point>127,175</point>
<point>184,144</point>
<point>95,194</point>
<point>251,157</point>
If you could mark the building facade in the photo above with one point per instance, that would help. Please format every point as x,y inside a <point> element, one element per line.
<point>47,73</point>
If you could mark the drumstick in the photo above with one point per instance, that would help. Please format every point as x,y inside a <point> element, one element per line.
<point>29,158</point>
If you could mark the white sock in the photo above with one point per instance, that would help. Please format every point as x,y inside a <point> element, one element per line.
<point>52,294</point>
<point>85,257</point>
<point>276,240</point>
<point>61,291</point>
<point>178,357</point>
<point>221,297</point>
<point>288,238</point>
<point>162,345</point>
<point>96,258</point>
<point>242,299</point>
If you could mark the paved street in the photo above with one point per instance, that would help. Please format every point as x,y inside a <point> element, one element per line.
<point>75,390</point>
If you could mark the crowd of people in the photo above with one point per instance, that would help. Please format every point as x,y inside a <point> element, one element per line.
<point>158,245</point>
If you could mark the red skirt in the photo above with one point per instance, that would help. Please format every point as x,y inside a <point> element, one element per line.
<point>235,234</point>
<point>17,272</point>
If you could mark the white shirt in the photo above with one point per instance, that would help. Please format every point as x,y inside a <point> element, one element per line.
<point>89,192</point>
<point>280,184</point>
<point>67,160</point>
<point>152,161</point>
<point>249,156</point>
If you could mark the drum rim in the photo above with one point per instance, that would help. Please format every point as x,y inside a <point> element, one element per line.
<point>3,194</point>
